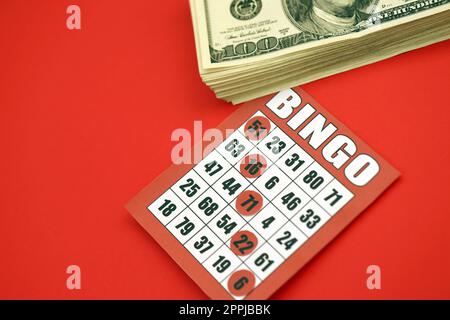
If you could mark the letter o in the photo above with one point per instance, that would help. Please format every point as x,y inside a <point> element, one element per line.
<point>362,170</point>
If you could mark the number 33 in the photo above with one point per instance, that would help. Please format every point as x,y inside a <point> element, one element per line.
<point>305,219</point>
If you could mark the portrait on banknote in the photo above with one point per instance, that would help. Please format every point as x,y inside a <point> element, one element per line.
<point>328,17</point>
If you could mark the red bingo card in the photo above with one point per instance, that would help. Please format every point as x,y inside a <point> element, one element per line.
<point>263,202</point>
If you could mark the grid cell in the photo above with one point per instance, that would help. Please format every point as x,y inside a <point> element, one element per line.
<point>166,207</point>
<point>189,187</point>
<point>287,240</point>
<point>185,225</point>
<point>334,197</point>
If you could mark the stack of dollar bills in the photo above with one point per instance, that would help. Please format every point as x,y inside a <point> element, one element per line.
<point>250,48</point>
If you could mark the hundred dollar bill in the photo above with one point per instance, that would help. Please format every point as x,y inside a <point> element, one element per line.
<point>234,32</point>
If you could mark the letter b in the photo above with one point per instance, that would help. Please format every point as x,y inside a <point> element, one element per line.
<point>284,103</point>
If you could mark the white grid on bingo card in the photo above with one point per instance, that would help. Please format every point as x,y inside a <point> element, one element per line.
<point>298,197</point>
<point>166,207</point>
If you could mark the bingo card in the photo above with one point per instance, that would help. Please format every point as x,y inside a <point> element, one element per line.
<point>263,202</point>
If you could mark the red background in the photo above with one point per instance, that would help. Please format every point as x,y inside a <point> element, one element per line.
<point>85,123</point>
